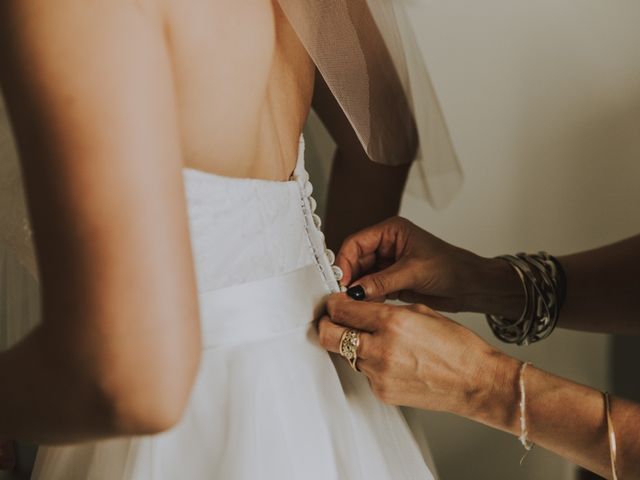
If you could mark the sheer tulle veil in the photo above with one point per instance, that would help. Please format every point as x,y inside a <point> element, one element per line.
<point>367,53</point>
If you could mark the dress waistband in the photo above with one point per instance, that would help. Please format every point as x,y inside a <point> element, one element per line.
<point>255,310</point>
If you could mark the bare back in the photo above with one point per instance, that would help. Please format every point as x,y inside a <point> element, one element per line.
<point>243,86</point>
<point>109,100</point>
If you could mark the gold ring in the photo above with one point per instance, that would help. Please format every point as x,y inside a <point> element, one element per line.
<point>349,343</point>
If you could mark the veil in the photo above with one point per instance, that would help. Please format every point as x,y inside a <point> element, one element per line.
<point>368,56</point>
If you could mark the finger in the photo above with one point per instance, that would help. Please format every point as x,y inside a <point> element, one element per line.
<point>421,309</point>
<point>359,251</point>
<point>365,264</point>
<point>360,315</point>
<point>358,254</point>
<point>366,367</point>
<point>402,275</point>
<point>330,335</point>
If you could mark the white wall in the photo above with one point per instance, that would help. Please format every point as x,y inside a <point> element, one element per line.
<point>543,102</point>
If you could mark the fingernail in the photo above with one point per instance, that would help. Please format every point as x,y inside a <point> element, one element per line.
<point>357,292</point>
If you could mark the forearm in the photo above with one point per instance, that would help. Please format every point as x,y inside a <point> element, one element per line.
<point>603,289</point>
<point>564,417</point>
<point>42,402</point>
<point>361,193</point>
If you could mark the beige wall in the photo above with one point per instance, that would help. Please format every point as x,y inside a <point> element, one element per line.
<point>543,101</point>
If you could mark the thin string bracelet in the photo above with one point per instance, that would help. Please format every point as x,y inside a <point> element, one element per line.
<point>524,432</point>
<point>611,435</point>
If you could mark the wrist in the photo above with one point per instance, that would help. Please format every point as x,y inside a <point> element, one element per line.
<point>496,289</point>
<point>497,404</point>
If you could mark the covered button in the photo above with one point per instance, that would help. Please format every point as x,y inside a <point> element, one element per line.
<point>331,256</point>
<point>337,272</point>
<point>308,189</point>
<point>303,177</point>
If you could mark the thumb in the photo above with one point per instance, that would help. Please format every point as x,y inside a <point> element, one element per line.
<point>391,280</point>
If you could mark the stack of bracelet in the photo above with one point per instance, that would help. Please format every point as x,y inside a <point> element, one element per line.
<point>544,286</point>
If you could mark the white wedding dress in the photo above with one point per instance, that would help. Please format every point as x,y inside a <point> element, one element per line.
<point>268,403</point>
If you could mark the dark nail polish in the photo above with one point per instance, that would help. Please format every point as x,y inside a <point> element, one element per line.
<point>357,292</point>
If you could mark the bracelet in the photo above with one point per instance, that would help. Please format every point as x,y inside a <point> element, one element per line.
<point>611,435</point>
<point>524,432</point>
<point>544,285</point>
<point>562,281</point>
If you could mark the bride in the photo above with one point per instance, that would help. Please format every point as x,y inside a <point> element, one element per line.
<point>179,259</point>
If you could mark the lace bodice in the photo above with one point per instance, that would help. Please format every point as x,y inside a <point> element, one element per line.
<point>248,229</point>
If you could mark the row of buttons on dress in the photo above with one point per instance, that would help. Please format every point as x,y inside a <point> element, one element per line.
<point>307,191</point>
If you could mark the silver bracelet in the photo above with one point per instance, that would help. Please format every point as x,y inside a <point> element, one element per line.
<point>544,288</point>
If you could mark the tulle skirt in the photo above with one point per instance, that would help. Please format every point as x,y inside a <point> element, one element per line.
<point>268,403</point>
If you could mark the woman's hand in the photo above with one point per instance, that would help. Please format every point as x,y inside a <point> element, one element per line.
<point>396,258</point>
<point>414,356</point>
